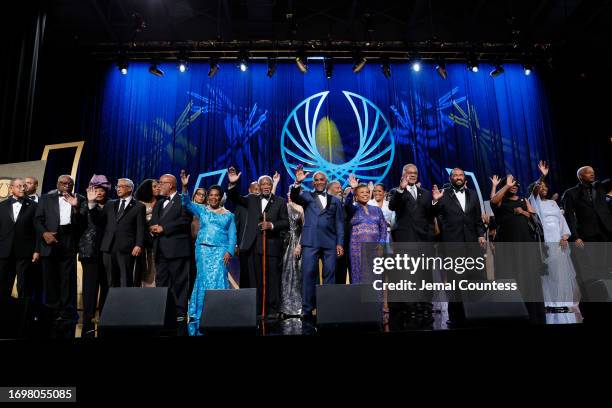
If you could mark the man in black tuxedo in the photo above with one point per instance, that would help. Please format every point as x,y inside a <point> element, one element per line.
<point>124,222</point>
<point>590,222</point>
<point>343,263</point>
<point>414,224</point>
<point>274,210</point>
<point>460,221</point>
<point>170,226</point>
<point>60,219</point>
<point>413,209</point>
<point>241,217</point>
<point>19,246</point>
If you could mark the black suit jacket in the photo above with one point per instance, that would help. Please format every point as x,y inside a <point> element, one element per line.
<point>18,239</point>
<point>47,219</point>
<point>276,213</point>
<point>455,224</point>
<point>124,233</point>
<point>589,221</point>
<point>175,241</point>
<point>413,219</point>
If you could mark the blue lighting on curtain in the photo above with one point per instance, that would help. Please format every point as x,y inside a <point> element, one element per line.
<point>148,125</point>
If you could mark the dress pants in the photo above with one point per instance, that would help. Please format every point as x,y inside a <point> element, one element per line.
<point>310,273</point>
<point>173,273</point>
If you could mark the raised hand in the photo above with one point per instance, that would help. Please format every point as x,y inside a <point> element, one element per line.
<point>184,178</point>
<point>510,181</point>
<point>543,167</point>
<point>371,186</point>
<point>276,177</point>
<point>72,200</point>
<point>495,180</point>
<point>300,175</point>
<point>353,182</point>
<point>436,193</point>
<point>91,194</point>
<point>403,183</point>
<point>232,176</point>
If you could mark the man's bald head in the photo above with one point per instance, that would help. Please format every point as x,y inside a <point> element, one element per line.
<point>167,183</point>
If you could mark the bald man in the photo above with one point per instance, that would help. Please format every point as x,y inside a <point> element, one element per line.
<point>590,222</point>
<point>170,227</point>
<point>60,218</point>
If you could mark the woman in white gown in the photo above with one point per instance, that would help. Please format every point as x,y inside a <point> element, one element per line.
<point>559,285</point>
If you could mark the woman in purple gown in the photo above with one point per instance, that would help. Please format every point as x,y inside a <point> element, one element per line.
<point>368,226</point>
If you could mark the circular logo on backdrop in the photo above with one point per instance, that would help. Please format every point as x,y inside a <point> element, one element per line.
<point>317,144</point>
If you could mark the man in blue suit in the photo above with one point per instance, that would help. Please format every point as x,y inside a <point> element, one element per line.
<point>322,234</point>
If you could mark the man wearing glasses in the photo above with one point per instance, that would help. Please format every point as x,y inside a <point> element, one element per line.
<point>170,227</point>
<point>124,222</point>
<point>60,218</point>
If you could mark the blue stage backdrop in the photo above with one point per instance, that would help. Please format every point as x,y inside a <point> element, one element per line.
<point>352,123</point>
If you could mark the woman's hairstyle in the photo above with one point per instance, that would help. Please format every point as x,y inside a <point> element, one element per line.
<point>360,186</point>
<point>508,193</point>
<point>218,188</point>
<point>381,185</point>
<point>144,192</point>
<point>196,192</point>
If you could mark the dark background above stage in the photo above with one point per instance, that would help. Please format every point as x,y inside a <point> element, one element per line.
<point>51,85</point>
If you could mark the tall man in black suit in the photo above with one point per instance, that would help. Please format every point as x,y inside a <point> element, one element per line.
<point>60,219</point>
<point>414,222</point>
<point>241,216</point>
<point>124,222</point>
<point>171,228</point>
<point>274,209</point>
<point>590,222</point>
<point>460,221</point>
<point>19,246</point>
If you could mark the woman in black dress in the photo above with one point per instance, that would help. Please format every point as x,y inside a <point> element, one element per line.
<point>520,262</point>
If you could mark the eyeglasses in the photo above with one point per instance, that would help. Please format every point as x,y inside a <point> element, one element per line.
<point>66,183</point>
<point>117,187</point>
<point>165,182</point>
<point>201,194</point>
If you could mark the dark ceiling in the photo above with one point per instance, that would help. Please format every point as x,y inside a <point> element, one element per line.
<point>544,26</point>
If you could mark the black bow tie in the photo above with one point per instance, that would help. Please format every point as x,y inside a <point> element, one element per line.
<point>320,193</point>
<point>265,197</point>
<point>459,190</point>
<point>14,200</point>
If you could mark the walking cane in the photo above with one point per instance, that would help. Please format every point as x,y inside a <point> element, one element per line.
<point>263,269</point>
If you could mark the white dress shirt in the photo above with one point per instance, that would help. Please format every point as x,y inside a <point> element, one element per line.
<point>461,197</point>
<point>323,199</point>
<point>65,211</point>
<point>167,200</point>
<point>16,208</point>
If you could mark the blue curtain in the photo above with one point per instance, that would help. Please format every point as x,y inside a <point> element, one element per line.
<point>362,123</point>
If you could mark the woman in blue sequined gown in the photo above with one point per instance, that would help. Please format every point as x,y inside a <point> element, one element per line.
<point>215,243</point>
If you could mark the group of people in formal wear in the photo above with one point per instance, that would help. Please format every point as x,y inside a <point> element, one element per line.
<point>155,236</point>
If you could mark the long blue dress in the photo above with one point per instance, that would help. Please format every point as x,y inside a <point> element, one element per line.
<point>217,235</point>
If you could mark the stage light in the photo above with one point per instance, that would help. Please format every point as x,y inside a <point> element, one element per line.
<point>243,59</point>
<point>527,69</point>
<point>271,67</point>
<point>359,62</point>
<point>153,69</point>
<point>214,67</point>
<point>497,71</point>
<point>328,64</point>
<point>441,69</point>
<point>472,66</point>
<point>182,66</point>
<point>123,68</point>
<point>385,68</point>
<point>416,66</point>
<point>300,62</point>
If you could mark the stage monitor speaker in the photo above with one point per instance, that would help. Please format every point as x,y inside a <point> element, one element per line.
<point>229,310</point>
<point>348,305</point>
<point>138,311</point>
<point>495,306</point>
